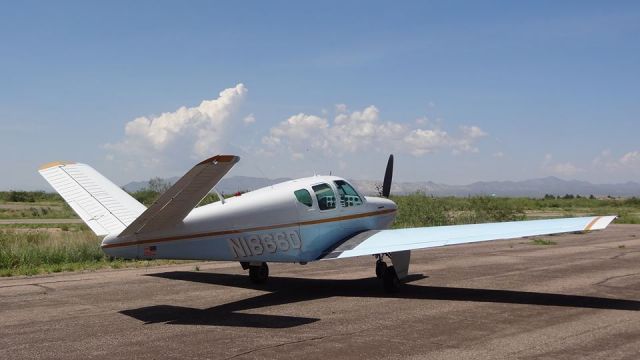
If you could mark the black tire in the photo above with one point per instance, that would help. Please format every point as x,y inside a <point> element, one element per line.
<point>259,274</point>
<point>381,267</point>
<point>390,280</point>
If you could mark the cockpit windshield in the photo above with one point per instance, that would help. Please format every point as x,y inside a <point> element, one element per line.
<point>348,195</point>
<point>325,196</point>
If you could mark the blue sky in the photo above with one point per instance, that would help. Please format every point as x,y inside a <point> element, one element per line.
<point>459,91</point>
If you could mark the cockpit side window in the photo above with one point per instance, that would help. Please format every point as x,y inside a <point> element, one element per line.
<point>348,195</point>
<point>304,197</point>
<point>326,197</point>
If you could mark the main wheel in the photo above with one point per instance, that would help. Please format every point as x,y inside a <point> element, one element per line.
<point>390,280</point>
<point>381,267</point>
<point>258,273</point>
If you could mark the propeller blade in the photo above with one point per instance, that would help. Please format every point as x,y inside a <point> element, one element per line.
<point>388,174</point>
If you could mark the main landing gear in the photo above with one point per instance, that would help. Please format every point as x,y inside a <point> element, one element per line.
<point>387,274</point>
<point>258,272</point>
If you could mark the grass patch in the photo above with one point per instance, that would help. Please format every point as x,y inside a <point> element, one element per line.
<point>418,209</point>
<point>44,226</point>
<point>539,241</point>
<point>37,251</point>
<point>36,211</point>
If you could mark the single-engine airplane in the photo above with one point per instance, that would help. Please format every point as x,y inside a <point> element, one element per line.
<point>298,221</point>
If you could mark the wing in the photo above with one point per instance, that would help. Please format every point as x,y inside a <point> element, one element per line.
<point>177,202</point>
<point>387,241</point>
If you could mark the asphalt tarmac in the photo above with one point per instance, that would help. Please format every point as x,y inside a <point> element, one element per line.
<point>579,298</point>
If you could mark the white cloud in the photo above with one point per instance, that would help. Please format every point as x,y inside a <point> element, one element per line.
<point>473,132</point>
<point>422,141</point>
<point>606,161</point>
<point>559,168</point>
<point>422,121</point>
<point>249,119</point>
<point>364,131</point>
<point>200,129</point>
<point>341,108</point>
<point>299,133</point>
<point>630,159</point>
<point>498,155</point>
<point>566,169</point>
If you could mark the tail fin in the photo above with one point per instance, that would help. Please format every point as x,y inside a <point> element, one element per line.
<point>102,205</point>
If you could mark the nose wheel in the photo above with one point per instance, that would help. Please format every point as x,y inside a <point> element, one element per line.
<point>259,273</point>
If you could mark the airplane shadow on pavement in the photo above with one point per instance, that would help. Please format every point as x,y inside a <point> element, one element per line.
<point>286,290</point>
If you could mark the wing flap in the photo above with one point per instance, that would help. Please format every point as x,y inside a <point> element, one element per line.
<point>176,203</point>
<point>387,241</point>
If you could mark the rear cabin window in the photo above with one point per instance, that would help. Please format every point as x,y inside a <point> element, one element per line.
<point>348,195</point>
<point>304,197</point>
<point>326,197</point>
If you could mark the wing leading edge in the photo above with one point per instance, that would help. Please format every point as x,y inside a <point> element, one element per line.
<point>387,241</point>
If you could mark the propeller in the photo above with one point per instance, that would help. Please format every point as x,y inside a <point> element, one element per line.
<point>388,174</point>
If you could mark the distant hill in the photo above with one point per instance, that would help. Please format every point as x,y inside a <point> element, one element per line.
<point>529,188</point>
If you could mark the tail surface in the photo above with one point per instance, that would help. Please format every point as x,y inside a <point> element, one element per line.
<point>101,204</point>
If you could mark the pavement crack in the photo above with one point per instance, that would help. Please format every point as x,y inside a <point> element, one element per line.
<point>44,282</point>
<point>46,288</point>
<point>623,254</point>
<point>603,282</point>
<point>315,338</point>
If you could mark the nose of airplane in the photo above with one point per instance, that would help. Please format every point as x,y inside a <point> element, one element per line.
<point>385,210</point>
<point>389,204</point>
<point>382,203</point>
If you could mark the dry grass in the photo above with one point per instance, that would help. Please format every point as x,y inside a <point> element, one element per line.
<point>47,250</point>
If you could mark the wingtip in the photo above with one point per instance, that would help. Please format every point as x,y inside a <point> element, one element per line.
<point>55,163</point>
<point>221,159</point>
<point>600,222</point>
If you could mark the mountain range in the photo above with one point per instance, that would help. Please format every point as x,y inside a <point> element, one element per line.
<point>528,188</point>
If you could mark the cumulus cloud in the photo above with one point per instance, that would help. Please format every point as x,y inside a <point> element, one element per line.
<point>201,128</point>
<point>363,130</point>
<point>607,161</point>
<point>566,169</point>
<point>560,168</point>
<point>341,108</point>
<point>249,119</point>
<point>631,159</point>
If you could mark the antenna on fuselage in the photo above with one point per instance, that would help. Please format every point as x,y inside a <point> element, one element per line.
<point>219,195</point>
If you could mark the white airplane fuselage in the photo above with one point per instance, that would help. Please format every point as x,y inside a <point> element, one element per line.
<point>266,225</point>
